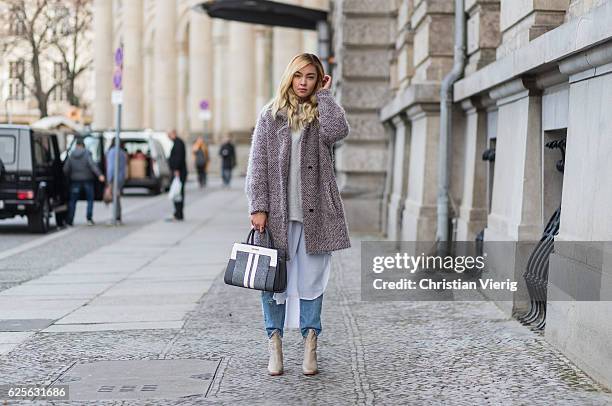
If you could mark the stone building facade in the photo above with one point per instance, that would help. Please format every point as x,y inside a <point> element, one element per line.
<point>175,57</point>
<point>537,71</point>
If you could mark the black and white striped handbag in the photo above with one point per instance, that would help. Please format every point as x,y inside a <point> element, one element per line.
<point>257,267</point>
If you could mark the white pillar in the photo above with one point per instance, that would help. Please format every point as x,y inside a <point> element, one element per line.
<point>309,38</point>
<point>240,83</point>
<point>263,66</point>
<point>147,90</point>
<point>133,64</point>
<point>165,65</point>
<point>287,42</point>
<point>200,68</point>
<point>182,91</point>
<point>103,63</point>
<point>219,85</point>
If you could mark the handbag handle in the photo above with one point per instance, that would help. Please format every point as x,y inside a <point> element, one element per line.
<point>269,241</point>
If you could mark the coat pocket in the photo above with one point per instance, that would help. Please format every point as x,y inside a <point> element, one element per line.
<point>333,197</point>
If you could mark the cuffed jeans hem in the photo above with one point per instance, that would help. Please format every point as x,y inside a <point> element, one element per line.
<point>304,331</point>
<point>271,331</point>
<point>274,314</point>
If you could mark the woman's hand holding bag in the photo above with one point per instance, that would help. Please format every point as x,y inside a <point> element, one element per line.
<point>259,220</point>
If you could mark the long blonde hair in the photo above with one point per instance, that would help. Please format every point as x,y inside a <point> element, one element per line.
<point>298,114</point>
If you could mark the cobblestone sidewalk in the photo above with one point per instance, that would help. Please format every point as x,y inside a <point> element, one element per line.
<point>408,353</point>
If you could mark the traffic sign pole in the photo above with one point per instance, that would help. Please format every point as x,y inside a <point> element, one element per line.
<point>118,100</point>
<point>205,116</point>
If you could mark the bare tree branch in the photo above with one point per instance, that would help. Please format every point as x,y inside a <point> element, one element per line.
<point>48,29</point>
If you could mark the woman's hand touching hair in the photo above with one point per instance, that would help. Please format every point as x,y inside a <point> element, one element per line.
<point>258,220</point>
<point>327,80</point>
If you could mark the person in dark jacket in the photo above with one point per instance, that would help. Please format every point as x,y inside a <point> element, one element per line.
<point>82,171</point>
<point>228,160</point>
<point>178,164</point>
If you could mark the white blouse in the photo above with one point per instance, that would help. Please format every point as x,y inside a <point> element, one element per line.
<point>307,275</point>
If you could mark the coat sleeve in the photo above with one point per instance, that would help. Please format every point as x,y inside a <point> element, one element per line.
<point>110,165</point>
<point>173,158</point>
<point>67,167</point>
<point>332,118</point>
<point>256,185</point>
<point>92,165</point>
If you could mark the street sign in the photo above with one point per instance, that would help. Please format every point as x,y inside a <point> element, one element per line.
<point>117,78</point>
<point>119,56</point>
<point>205,115</point>
<point>118,71</point>
<point>117,97</point>
<point>204,104</point>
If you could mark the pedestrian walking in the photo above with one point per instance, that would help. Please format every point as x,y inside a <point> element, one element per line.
<point>292,191</point>
<point>178,165</point>
<point>110,173</point>
<point>81,171</point>
<point>200,159</point>
<point>228,160</point>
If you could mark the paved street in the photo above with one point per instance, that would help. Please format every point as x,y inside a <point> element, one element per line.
<point>150,296</point>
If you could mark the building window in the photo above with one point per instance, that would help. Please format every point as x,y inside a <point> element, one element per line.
<point>16,25</point>
<point>62,20</point>
<point>16,87</point>
<point>60,75</point>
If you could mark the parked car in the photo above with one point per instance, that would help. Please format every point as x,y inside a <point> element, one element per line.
<point>32,182</point>
<point>147,162</point>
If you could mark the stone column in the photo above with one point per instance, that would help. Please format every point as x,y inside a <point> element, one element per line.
<point>240,88</point>
<point>386,198</point>
<point>165,65</point>
<point>424,49</point>
<point>286,43</point>
<point>516,204</point>
<point>473,211</point>
<point>363,44</point>
<point>523,21</point>
<point>263,66</point>
<point>132,65</point>
<point>147,85</point>
<point>483,35</point>
<point>309,38</point>
<point>182,114</point>
<point>103,63</point>
<point>516,213</point>
<point>200,68</point>
<point>240,83</point>
<point>404,46</point>
<point>433,22</point>
<point>401,155</point>
<point>220,76</point>
<point>419,217</point>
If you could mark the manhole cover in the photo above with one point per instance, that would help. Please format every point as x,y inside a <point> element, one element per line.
<point>139,379</point>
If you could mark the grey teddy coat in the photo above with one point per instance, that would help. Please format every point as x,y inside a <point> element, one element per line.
<point>325,227</point>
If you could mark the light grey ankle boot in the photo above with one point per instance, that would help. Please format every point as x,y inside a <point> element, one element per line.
<point>275,346</point>
<point>309,366</point>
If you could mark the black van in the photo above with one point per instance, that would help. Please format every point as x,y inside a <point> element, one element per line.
<point>32,182</point>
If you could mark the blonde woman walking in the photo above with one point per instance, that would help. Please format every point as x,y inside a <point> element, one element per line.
<point>199,150</point>
<point>292,191</point>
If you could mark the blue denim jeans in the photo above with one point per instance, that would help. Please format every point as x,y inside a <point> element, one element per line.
<point>226,174</point>
<point>75,192</point>
<point>274,314</point>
